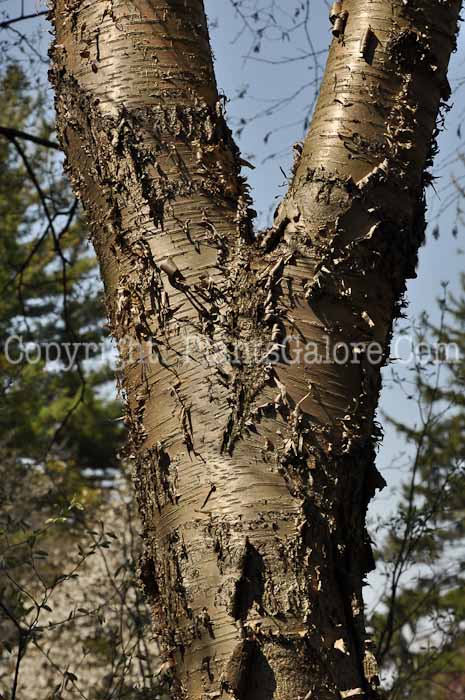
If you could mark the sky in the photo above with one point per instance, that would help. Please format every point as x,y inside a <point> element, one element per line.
<point>273,90</point>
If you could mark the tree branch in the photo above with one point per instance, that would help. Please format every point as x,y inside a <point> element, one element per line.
<point>8,22</point>
<point>10,133</point>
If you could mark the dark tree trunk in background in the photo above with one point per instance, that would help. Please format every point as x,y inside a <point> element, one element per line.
<point>253,473</point>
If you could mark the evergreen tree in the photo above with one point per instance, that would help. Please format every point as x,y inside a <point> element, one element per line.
<point>51,298</point>
<point>421,633</point>
<point>72,620</point>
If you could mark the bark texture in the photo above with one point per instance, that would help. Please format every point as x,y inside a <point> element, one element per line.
<point>253,472</point>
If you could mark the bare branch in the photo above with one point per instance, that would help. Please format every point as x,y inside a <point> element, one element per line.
<point>10,134</point>
<point>14,20</point>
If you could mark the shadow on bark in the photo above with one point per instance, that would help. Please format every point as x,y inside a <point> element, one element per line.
<point>251,585</point>
<point>262,682</point>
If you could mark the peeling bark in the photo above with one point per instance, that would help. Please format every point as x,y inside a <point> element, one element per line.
<point>253,473</point>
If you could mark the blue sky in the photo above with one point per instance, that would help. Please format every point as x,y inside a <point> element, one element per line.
<point>260,88</point>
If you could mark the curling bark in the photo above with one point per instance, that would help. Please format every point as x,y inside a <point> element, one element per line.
<point>253,467</point>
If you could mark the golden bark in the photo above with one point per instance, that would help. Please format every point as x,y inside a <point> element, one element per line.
<point>253,468</point>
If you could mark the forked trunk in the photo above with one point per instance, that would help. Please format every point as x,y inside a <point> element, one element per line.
<point>252,393</point>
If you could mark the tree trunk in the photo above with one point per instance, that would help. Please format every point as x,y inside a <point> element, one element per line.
<point>254,458</point>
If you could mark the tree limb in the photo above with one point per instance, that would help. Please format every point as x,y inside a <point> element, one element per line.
<point>5,24</point>
<point>11,134</point>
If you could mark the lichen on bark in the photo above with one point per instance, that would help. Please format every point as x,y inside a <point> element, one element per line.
<point>253,472</point>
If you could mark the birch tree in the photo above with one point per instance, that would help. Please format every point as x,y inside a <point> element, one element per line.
<point>251,398</point>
